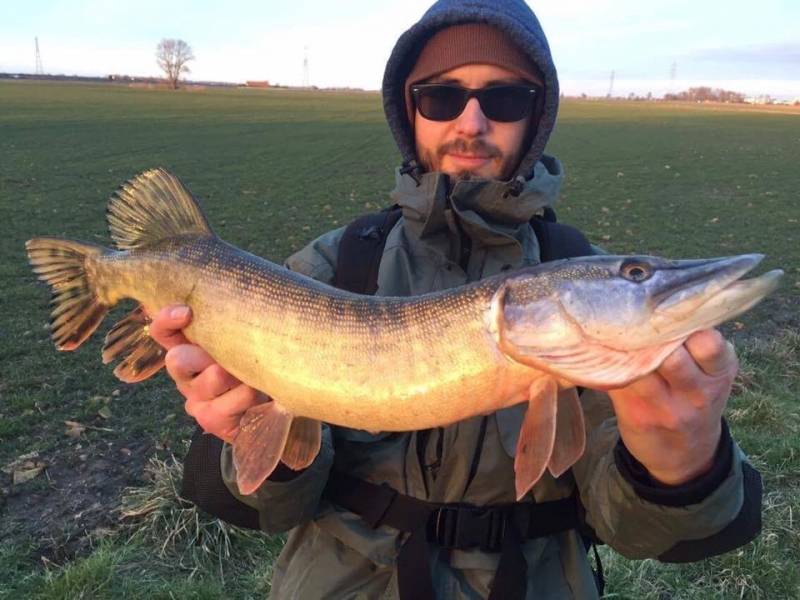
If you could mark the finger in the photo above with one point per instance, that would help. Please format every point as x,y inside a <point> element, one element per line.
<point>680,370</point>
<point>166,327</point>
<point>638,403</point>
<point>221,415</point>
<point>185,361</point>
<point>237,400</point>
<point>651,385</point>
<point>213,381</point>
<point>713,354</point>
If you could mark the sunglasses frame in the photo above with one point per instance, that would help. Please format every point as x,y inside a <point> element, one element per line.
<point>469,93</point>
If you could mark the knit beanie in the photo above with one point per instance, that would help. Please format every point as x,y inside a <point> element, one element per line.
<point>464,44</point>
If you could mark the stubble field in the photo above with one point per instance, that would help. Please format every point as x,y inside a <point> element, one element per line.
<point>97,516</point>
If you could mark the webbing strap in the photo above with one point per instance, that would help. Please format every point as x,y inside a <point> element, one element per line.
<point>360,251</point>
<point>497,528</point>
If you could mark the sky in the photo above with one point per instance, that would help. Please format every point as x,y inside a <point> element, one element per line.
<point>652,46</point>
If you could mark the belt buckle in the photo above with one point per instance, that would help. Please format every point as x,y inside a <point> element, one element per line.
<point>445,526</point>
<point>495,529</point>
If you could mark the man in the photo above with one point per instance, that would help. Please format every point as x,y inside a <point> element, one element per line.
<point>471,95</point>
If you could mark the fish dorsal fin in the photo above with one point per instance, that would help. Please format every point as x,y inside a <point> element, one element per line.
<point>151,207</point>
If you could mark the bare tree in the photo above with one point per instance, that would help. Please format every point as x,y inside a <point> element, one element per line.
<point>172,56</point>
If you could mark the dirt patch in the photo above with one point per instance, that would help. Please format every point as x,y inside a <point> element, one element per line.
<point>61,510</point>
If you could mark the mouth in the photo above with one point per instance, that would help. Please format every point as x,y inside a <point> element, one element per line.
<point>469,161</point>
<point>714,284</point>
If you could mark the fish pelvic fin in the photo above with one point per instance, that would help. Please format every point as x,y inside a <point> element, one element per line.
<point>130,339</point>
<point>257,448</point>
<point>151,207</point>
<point>76,307</point>
<point>537,435</point>
<point>570,439</point>
<point>302,446</point>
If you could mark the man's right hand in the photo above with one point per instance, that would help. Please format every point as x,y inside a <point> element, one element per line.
<point>214,397</point>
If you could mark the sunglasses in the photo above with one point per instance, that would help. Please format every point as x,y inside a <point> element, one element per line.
<point>501,103</point>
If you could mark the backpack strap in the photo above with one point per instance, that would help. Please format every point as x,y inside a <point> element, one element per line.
<point>556,240</point>
<point>361,248</point>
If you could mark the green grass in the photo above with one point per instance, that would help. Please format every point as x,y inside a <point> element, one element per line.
<point>274,169</point>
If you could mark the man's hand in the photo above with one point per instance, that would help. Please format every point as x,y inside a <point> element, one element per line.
<point>670,420</point>
<point>214,397</point>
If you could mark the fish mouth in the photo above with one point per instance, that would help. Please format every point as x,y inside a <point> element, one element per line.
<point>712,290</point>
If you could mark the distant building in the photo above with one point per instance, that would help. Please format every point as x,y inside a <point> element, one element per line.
<point>258,84</point>
<point>763,99</point>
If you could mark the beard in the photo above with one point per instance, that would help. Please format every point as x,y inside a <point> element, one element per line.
<point>432,161</point>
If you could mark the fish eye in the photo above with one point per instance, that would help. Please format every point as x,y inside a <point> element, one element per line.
<point>636,271</point>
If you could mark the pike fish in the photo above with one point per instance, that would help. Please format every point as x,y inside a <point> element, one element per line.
<point>382,363</point>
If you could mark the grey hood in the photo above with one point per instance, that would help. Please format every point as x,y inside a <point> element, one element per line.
<point>512,17</point>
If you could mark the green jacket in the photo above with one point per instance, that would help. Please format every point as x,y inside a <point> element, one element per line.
<point>331,553</point>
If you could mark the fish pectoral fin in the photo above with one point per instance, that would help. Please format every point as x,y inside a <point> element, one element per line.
<point>258,446</point>
<point>130,339</point>
<point>302,446</point>
<point>570,439</point>
<point>537,435</point>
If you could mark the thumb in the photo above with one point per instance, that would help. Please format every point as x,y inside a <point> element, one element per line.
<point>166,328</point>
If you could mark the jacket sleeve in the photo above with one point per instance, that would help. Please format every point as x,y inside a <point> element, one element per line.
<point>640,518</point>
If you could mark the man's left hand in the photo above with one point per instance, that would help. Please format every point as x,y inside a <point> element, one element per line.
<point>671,419</point>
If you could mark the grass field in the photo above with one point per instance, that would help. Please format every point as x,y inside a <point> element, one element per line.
<point>274,169</point>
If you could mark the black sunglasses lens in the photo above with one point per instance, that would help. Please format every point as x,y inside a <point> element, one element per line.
<point>507,103</point>
<point>441,102</point>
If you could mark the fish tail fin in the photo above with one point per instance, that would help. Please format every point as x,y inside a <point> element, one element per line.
<point>130,339</point>
<point>151,207</point>
<point>76,307</point>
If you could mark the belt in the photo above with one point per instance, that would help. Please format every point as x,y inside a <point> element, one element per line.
<point>498,528</point>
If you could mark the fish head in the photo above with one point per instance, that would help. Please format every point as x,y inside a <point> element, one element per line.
<point>604,321</point>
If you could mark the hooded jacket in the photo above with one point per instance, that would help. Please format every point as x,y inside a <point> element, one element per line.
<point>332,553</point>
<point>512,17</point>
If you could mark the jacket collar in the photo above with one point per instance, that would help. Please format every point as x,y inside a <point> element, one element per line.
<point>484,210</point>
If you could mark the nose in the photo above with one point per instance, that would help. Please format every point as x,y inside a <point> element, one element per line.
<point>472,122</point>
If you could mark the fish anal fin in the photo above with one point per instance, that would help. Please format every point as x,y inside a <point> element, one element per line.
<point>537,435</point>
<point>151,207</point>
<point>258,446</point>
<point>130,340</point>
<point>570,439</point>
<point>302,446</point>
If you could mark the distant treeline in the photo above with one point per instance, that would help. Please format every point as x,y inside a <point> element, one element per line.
<point>706,94</point>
